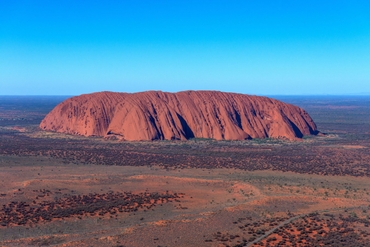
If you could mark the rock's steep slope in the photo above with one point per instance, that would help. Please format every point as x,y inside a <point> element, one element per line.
<point>157,115</point>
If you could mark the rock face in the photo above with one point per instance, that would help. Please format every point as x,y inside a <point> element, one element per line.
<point>156,115</point>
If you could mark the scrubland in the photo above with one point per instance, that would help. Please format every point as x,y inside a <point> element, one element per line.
<point>64,190</point>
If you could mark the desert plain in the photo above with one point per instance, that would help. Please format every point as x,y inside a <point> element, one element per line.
<point>64,190</point>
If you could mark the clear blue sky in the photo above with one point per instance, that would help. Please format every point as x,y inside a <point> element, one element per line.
<point>255,47</point>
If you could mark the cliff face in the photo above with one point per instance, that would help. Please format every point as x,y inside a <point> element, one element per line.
<point>156,115</point>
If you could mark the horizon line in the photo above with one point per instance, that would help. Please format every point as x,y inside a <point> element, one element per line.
<point>71,95</point>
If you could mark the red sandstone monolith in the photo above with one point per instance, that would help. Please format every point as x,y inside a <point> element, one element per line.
<point>156,115</point>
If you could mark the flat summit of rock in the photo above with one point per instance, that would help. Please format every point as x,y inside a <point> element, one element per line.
<point>156,115</point>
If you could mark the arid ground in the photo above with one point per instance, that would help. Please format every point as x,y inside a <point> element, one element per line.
<point>63,190</point>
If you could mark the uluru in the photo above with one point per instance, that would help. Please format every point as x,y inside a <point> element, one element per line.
<point>157,115</point>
